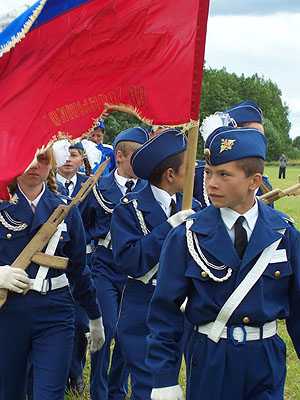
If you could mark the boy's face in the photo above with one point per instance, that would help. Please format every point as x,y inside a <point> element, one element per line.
<point>96,136</point>
<point>180,176</point>
<point>72,164</point>
<point>37,173</point>
<point>124,166</point>
<point>228,186</point>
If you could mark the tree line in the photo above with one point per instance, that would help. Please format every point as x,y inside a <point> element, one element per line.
<point>220,90</point>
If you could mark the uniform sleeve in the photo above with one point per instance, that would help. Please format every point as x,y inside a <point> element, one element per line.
<point>78,273</point>
<point>293,321</point>
<point>135,253</point>
<point>88,215</point>
<point>165,320</point>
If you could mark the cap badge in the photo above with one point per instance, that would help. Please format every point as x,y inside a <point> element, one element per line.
<point>226,144</point>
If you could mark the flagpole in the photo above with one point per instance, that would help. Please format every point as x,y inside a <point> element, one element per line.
<point>188,187</point>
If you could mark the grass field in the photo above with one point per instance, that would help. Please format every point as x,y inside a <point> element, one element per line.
<point>290,206</point>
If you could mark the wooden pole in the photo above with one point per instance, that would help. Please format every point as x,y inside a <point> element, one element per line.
<point>188,187</point>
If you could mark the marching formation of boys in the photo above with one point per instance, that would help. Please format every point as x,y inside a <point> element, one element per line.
<point>134,257</point>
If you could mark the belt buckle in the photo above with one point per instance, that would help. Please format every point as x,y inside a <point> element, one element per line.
<point>231,329</point>
<point>45,286</point>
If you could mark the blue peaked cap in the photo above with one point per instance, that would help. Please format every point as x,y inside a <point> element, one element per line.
<point>136,134</point>
<point>228,143</point>
<point>77,145</point>
<point>100,124</point>
<point>244,112</point>
<point>160,147</point>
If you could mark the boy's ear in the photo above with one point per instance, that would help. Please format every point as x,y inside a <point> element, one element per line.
<point>119,155</point>
<point>256,181</point>
<point>169,174</point>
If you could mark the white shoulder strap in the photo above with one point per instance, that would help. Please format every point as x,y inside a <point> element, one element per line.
<point>50,249</point>
<point>242,290</point>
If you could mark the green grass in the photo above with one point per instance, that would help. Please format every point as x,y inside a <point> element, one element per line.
<point>287,204</point>
<point>290,206</point>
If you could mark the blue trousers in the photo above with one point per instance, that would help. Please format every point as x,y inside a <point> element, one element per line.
<point>80,342</point>
<point>220,371</point>
<point>112,385</point>
<point>42,327</point>
<point>132,331</point>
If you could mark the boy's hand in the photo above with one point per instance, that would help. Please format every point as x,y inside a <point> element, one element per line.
<point>13,279</point>
<point>96,336</point>
<point>167,393</point>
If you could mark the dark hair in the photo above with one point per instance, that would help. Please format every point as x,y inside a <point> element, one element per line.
<point>173,162</point>
<point>251,165</point>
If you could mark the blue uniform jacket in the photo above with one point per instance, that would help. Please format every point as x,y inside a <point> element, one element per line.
<point>134,253</point>
<point>71,245</point>
<point>106,152</point>
<point>276,295</point>
<point>97,221</point>
<point>200,191</point>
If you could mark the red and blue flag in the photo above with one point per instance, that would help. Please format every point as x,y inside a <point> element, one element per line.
<point>63,62</point>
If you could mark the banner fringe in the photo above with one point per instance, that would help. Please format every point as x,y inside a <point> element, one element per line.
<point>20,35</point>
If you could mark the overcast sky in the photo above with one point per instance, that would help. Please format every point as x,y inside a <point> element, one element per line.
<point>259,36</point>
<point>249,36</point>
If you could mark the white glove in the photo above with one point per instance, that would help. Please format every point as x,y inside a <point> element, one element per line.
<point>167,393</point>
<point>96,336</point>
<point>179,217</point>
<point>13,279</point>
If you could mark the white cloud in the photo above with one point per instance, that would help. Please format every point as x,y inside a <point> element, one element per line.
<point>266,45</point>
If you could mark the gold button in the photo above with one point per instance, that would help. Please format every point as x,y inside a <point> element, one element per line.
<point>125,200</point>
<point>203,274</point>
<point>246,320</point>
<point>277,273</point>
<point>9,236</point>
<point>61,238</point>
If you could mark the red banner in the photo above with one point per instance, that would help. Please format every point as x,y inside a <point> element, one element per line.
<point>80,55</point>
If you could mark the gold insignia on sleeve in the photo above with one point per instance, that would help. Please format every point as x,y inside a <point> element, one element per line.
<point>226,144</point>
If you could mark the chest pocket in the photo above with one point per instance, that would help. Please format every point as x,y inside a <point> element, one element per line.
<point>278,270</point>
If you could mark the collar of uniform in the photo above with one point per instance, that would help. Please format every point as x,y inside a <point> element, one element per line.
<point>63,180</point>
<point>121,180</point>
<point>36,200</point>
<point>162,197</point>
<point>229,216</point>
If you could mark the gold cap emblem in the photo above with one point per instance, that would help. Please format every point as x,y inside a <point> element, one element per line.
<point>226,144</point>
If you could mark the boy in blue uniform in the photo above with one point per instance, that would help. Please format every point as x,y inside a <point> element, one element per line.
<point>140,224</point>
<point>70,182</point>
<point>106,150</point>
<point>41,323</point>
<point>108,279</point>
<point>238,262</point>
<point>245,113</point>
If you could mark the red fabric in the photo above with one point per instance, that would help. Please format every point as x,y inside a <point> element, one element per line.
<point>145,53</point>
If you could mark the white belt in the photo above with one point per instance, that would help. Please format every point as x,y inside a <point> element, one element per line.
<point>105,242</point>
<point>44,285</point>
<point>89,248</point>
<point>242,333</point>
<point>151,281</point>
